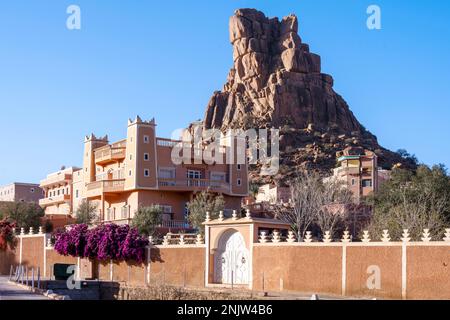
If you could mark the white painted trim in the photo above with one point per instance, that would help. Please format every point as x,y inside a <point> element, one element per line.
<point>344,269</point>
<point>45,256</point>
<point>404,271</point>
<point>179,246</point>
<point>207,246</point>
<point>111,271</point>
<point>250,275</point>
<point>20,247</point>
<point>149,262</point>
<point>78,272</point>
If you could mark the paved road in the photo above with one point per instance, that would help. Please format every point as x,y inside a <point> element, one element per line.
<point>12,292</point>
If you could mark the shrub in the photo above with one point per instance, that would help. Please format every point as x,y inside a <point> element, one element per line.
<point>105,242</point>
<point>6,234</point>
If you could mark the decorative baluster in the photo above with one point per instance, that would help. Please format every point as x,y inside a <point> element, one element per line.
<point>31,231</point>
<point>49,243</point>
<point>182,242</point>
<point>327,237</point>
<point>235,216</point>
<point>166,241</point>
<point>263,237</point>
<point>405,236</point>
<point>41,230</point>
<point>426,235</point>
<point>22,231</point>
<point>199,240</point>
<point>248,214</point>
<point>346,237</point>
<point>366,237</point>
<point>151,241</point>
<point>221,217</point>
<point>208,216</point>
<point>276,236</point>
<point>385,237</point>
<point>447,235</point>
<point>291,237</point>
<point>308,237</point>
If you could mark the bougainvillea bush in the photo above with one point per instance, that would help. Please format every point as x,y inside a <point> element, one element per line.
<point>73,241</point>
<point>6,234</point>
<point>104,243</point>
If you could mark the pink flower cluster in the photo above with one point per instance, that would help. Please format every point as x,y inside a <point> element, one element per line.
<point>105,242</point>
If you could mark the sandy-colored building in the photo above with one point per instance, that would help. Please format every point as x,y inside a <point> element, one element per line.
<point>273,194</point>
<point>121,176</point>
<point>21,192</point>
<point>358,169</point>
<point>58,192</point>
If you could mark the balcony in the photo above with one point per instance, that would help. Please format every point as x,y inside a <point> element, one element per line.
<point>109,154</point>
<point>193,185</point>
<point>161,142</point>
<point>54,200</point>
<point>97,188</point>
<point>175,224</point>
<point>56,180</point>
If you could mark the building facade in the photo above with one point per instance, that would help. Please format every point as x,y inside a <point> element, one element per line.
<point>358,169</point>
<point>21,192</point>
<point>58,192</point>
<point>121,176</point>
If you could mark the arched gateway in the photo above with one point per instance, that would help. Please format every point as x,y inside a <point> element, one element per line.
<point>231,260</point>
<point>230,244</point>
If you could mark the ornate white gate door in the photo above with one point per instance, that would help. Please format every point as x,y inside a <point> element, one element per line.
<point>231,260</point>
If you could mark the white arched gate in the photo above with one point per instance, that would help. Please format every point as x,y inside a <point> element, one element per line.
<point>231,260</point>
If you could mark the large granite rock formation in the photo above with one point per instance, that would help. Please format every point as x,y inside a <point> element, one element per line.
<point>277,82</point>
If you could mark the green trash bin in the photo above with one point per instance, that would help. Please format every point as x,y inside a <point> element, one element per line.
<point>62,271</point>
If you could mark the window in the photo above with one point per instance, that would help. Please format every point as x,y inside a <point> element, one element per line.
<point>239,167</point>
<point>32,190</point>
<point>353,182</point>
<point>131,157</point>
<point>129,173</point>
<point>146,173</point>
<point>167,173</point>
<point>166,209</point>
<point>146,139</point>
<point>239,182</point>
<point>367,183</point>
<point>76,193</point>
<point>146,157</point>
<point>194,174</point>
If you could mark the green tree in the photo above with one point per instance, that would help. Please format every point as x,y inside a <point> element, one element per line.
<point>254,190</point>
<point>202,203</point>
<point>86,212</point>
<point>414,201</point>
<point>24,214</point>
<point>147,219</point>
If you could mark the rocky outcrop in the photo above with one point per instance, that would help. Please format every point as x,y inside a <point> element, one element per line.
<point>276,81</point>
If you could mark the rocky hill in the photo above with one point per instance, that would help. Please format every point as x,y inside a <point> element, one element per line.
<point>277,82</point>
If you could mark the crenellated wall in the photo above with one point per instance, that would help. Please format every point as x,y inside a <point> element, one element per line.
<point>382,269</point>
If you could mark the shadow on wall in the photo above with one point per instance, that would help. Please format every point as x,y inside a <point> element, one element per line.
<point>155,255</point>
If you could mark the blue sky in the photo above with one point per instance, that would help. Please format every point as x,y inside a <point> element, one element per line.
<point>164,59</point>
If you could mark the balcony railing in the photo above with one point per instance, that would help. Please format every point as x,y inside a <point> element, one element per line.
<point>109,154</point>
<point>175,224</point>
<point>166,142</point>
<point>54,200</point>
<point>192,184</point>
<point>56,180</point>
<point>97,188</point>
